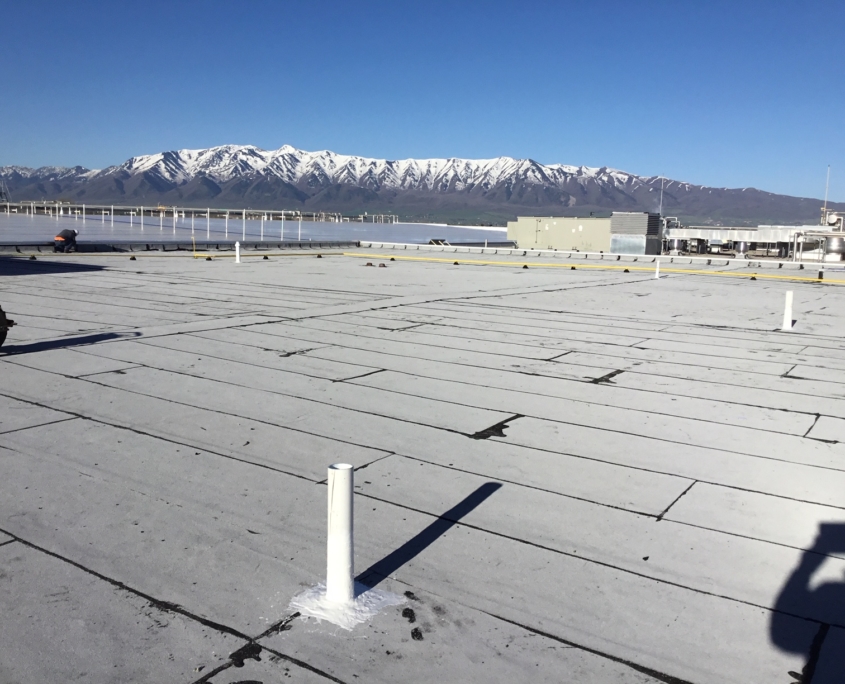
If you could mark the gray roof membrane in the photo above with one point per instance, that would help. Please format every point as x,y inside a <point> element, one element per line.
<point>569,475</point>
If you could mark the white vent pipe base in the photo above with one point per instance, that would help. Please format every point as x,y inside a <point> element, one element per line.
<point>312,603</point>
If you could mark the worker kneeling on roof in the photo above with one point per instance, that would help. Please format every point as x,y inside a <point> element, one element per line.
<point>66,241</point>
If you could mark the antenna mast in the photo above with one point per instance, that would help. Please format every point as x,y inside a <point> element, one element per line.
<point>660,211</point>
<point>826,188</point>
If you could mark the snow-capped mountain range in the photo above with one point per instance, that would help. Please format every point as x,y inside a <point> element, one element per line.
<point>245,175</point>
<point>292,166</point>
<point>227,162</point>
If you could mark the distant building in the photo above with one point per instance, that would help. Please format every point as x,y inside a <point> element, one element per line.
<point>623,232</point>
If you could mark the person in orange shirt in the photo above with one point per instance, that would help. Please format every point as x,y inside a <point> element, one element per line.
<point>66,241</point>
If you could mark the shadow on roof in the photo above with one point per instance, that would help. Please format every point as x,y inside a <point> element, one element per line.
<point>63,343</point>
<point>417,544</point>
<point>12,266</point>
<point>822,608</point>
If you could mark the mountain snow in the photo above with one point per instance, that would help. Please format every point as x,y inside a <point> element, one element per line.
<point>294,166</point>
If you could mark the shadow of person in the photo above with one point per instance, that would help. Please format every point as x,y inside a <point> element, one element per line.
<point>823,604</point>
<point>16,265</point>
<point>64,343</point>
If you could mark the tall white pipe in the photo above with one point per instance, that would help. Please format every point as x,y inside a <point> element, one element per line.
<point>657,269</point>
<point>340,556</point>
<point>111,213</point>
<point>243,237</point>
<point>787,313</point>
<point>237,252</point>
<point>142,217</point>
<point>299,237</point>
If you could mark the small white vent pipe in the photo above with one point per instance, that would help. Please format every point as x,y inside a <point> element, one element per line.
<point>340,556</point>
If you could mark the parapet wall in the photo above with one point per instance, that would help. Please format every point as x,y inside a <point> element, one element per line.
<point>596,256</point>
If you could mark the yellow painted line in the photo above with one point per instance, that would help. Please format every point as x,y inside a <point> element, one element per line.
<point>579,265</point>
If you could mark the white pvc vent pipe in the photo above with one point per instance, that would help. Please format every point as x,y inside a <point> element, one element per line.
<point>787,312</point>
<point>237,252</point>
<point>340,557</point>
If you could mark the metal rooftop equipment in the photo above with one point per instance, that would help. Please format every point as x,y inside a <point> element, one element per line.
<point>622,232</point>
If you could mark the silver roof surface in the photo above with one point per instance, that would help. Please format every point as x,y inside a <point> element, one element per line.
<point>671,475</point>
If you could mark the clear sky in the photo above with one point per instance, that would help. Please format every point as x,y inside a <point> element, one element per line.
<point>737,94</point>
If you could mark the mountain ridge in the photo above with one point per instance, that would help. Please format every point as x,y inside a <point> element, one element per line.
<point>453,188</point>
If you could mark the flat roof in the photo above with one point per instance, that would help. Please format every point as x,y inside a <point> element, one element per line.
<point>570,475</point>
<point>19,228</point>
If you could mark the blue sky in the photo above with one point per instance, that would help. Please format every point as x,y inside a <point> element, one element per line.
<point>729,94</point>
